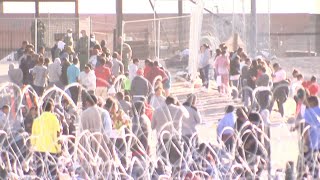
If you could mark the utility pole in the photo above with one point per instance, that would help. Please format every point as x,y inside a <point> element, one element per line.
<point>180,27</point>
<point>1,7</point>
<point>36,6</point>
<point>253,36</point>
<point>76,12</point>
<point>119,17</point>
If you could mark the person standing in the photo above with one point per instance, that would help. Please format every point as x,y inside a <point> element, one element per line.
<point>133,68</point>
<point>73,73</point>
<point>141,127</point>
<point>88,80</point>
<point>68,39</point>
<point>64,74</point>
<point>103,75</point>
<point>125,51</point>
<point>189,123</point>
<point>263,96</point>
<point>83,49</point>
<point>45,135</point>
<point>204,65</point>
<point>15,75</point>
<point>40,74</point>
<point>222,66</point>
<point>225,129</point>
<point>280,88</point>
<point>157,99</point>
<point>117,66</point>
<point>140,86</point>
<point>311,116</point>
<point>54,72</point>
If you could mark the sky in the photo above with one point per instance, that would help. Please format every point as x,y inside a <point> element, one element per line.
<point>167,6</point>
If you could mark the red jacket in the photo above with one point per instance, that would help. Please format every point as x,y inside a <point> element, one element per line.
<point>313,89</point>
<point>103,74</point>
<point>154,72</point>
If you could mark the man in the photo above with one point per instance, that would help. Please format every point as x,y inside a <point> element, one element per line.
<point>94,59</point>
<point>95,119</point>
<point>280,88</point>
<point>124,105</point>
<point>73,73</point>
<point>26,64</point>
<point>117,66</point>
<point>168,118</point>
<point>42,51</point>
<point>68,39</point>
<point>126,52</point>
<point>15,75</point>
<point>21,51</point>
<point>156,71</point>
<point>103,75</point>
<point>140,86</point>
<point>133,68</point>
<point>45,139</point>
<point>87,79</point>
<point>82,49</point>
<point>141,127</point>
<point>91,117</point>
<point>311,116</point>
<point>54,72</point>
<point>40,75</point>
<point>263,96</point>
<point>157,99</point>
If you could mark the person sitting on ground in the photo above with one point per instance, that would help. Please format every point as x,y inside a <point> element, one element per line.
<point>28,121</point>
<point>4,117</point>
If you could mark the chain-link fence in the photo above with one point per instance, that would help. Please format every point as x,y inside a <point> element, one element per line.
<point>41,32</point>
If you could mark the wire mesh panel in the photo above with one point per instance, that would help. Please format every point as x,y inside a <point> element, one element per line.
<point>142,37</point>
<point>12,32</point>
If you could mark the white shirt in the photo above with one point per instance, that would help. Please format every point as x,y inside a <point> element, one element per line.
<point>157,101</point>
<point>93,61</point>
<point>279,76</point>
<point>133,68</point>
<point>88,80</point>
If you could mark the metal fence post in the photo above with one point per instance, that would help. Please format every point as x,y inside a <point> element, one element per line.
<point>36,35</point>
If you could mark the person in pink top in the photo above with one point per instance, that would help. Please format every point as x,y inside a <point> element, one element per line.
<point>222,66</point>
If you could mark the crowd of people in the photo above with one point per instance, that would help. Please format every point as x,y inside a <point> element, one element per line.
<point>101,127</point>
<point>261,84</point>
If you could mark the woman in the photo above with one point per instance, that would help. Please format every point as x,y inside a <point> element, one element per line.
<point>204,65</point>
<point>118,116</point>
<point>189,123</point>
<point>222,66</point>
